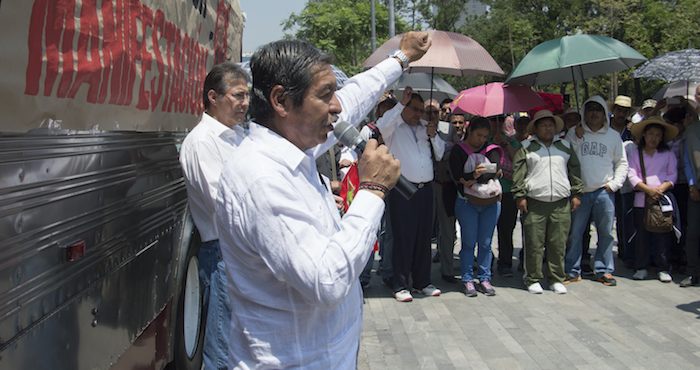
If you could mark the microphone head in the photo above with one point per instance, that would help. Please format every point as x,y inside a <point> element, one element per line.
<point>346,134</point>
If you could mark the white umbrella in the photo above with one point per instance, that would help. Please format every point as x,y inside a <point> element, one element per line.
<point>682,88</point>
<point>420,83</point>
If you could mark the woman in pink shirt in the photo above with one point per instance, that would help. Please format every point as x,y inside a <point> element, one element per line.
<point>661,171</point>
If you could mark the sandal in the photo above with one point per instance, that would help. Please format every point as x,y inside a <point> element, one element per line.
<point>607,280</point>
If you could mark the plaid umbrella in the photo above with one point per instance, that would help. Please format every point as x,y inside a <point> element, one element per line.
<point>679,65</point>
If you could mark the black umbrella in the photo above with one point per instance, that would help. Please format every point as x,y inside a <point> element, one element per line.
<point>679,65</point>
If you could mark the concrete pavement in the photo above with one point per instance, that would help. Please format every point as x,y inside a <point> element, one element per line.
<point>636,325</point>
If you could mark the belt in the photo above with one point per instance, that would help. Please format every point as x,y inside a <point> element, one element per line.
<point>420,185</point>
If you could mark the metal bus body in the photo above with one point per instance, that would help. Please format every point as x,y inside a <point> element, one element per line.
<point>98,264</point>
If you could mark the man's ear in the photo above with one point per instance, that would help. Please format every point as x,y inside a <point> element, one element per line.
<point>279,100</point>
<point>211,96</point>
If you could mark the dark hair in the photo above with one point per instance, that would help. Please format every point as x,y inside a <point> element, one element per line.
<point>288,63</point>
<point>446,100</point>
<point>417,96</point>
<point>662,147</point>
<point>220,78</point>
<point>477,123</point>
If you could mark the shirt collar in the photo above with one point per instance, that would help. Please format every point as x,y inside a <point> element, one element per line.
<point>278,147</point>
<point>213,124</point>
<point>554,140</point>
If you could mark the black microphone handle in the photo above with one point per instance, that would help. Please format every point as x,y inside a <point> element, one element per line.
<point>403,186</point>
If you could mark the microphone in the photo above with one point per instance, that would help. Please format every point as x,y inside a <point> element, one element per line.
<point>348,135</point>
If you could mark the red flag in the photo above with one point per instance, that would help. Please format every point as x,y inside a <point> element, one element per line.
<point>349,187</point>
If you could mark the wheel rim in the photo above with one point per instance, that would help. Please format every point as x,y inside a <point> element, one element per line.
<point>192,310</point>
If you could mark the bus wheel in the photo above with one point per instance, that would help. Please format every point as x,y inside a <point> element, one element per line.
<point>191,316</point>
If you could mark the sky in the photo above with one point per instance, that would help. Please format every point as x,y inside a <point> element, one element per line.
<point>263,18</point>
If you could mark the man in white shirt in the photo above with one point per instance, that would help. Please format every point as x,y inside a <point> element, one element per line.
<point>293,264</point>
<point>415,143</point>
<point>202,157</point>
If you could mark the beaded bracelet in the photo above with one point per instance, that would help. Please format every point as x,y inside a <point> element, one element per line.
<point>374,186</point>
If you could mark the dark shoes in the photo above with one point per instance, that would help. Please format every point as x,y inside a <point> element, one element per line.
<point>486,288</point>
<point>469,289</point>
<point>690,281</point>
<point>607,280</point>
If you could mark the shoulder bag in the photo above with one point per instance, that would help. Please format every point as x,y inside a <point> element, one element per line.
<point>655,220</point>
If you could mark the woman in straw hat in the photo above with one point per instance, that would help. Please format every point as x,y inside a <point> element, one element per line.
<point>660,168</point>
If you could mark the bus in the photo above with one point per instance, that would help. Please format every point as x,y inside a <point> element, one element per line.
<point>98,254</point>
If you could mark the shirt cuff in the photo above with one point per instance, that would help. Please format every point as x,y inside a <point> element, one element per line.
<point>368,204</point>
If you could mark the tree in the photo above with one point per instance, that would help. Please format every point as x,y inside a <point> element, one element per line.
<point>342,29</point>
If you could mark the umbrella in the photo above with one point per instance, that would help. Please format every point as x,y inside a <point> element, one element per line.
<point>496,98</point>
<point>574,58</point>
<point>679,65</point>
<point>340,76</point>
<point>421,83</point>
<point>683,88</point>
<point>451,53</point>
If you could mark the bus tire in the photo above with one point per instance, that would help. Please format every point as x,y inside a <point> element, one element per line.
<point>191,315</point>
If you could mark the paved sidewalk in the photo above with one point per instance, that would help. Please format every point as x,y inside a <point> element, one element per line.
<point>636,325</point>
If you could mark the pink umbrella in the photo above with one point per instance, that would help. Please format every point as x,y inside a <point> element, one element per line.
<point>495,98</point>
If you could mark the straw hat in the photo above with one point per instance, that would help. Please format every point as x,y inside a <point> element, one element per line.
<point>623,101</point>
<point>670,131</point>
<point>544,113</point>
<point>649,103</point>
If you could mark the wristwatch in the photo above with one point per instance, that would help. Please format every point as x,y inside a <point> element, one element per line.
<point>401,57</point>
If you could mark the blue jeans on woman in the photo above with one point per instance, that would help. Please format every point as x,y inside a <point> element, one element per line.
<point>477,224</point>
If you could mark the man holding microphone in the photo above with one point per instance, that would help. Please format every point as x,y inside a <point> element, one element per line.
<point>293,264</point>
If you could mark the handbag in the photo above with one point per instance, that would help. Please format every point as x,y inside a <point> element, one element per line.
<point>655,220</point>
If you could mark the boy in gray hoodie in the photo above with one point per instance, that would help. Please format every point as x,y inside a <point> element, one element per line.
<point>603,170</point>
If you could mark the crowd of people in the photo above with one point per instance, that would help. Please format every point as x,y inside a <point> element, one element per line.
<point>281,246</point>
<point>559,174</point>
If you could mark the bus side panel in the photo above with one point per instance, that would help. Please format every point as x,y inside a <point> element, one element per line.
<point>89,231</point>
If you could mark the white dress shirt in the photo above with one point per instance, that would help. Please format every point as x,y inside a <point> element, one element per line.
<point>410,145</point>
<point>202,157</point>
<point>293,264</point>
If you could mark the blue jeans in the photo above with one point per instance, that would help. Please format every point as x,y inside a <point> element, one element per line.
<point>212,273</point>
<point>477,224</point>
<point>599,205</point>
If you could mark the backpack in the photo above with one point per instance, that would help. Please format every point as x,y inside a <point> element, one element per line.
<point>487,186</point>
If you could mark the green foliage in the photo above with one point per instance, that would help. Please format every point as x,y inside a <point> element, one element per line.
<point>342,29</point>
<point>652,27</point>
<point>508,31</point>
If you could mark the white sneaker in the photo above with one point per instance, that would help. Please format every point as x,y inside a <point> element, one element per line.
<point>559,288</point>
<point>535,288</point>
<point>665,277</point>
<point>640,274</point>
<point>403,296</point>
<point>430,291</point>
